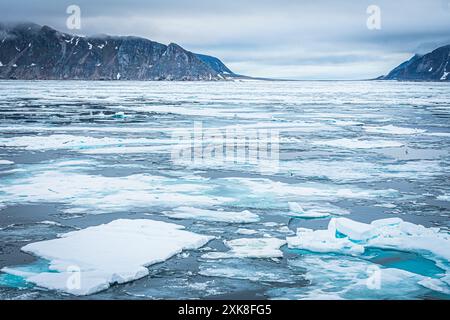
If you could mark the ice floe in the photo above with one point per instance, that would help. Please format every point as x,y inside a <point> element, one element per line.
<point>347,236</point>
<point>359,143</point>
<point>5,162</point>
<point>308,191</point>
<point>346,170</point>
<point>312,210</point>
<point>87,193</point>
<point>116,252</point>
<point>391,129</point>
<point>244,231</point>
<point>249,248</point>
<point>64,141</point>
<point>346,277</point>
<point>212,215</point>
<point>444,197</point>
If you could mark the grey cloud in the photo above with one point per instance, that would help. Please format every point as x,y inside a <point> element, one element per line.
<point>285,38</point>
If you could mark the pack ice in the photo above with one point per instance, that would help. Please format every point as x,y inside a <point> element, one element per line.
<point>116,252</point>
<point>212,215</point>
<point>351,237</point>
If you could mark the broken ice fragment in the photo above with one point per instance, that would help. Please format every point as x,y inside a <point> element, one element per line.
<point>212,215</point>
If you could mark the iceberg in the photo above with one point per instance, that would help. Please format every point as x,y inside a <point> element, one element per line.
<point>103,255</point>
<point>5,162</point>
<point>249,248</point>
<point>212,215</point>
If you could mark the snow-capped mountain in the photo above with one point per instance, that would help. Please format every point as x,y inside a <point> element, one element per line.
<point>433,66</point>
<point>31,51</point>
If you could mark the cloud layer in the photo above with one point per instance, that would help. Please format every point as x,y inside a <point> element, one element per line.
<point>304,39</point>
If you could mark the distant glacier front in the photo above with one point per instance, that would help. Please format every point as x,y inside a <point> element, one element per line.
<point>354,202</point>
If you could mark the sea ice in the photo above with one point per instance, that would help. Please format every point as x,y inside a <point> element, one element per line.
<point>354,230</point>
<point>359,144</point>
<point>444,197</point>
<point>390,129</point>
<point>50,182</point>
<point>116,252</point>
<point>323,241</point>
<point>248,269</point>
<point>309,191</point>
<point>64,141</point>
<point>391,233</point>
<point>314,210</point>
<point>249,248</point>
<point>332,277</point>
<point>246,231</point>
<point>212,215</point>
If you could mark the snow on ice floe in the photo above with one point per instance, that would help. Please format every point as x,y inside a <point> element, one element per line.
<point>116,252</point>
<point>391,129</point>
<point>246,232</point>
<point>64,141</point>
<point>311,210</point>
<point>212,215</point>
<point>310,191</point>
<point>346,170</point>
<point>99,194</point>
<point>5,162</point>
<point>249,248</point>
<point>359,143</point>
<point>444,197</point>
<point>347,236</point>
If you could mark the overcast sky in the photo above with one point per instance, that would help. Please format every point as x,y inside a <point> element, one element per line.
<point>295,39</point>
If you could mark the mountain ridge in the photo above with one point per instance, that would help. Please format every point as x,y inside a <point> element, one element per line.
<point>32,52</point>
<point>432,66</point>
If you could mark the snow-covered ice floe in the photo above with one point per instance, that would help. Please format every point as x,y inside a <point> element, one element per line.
<point>249,248</point>
<point>116,252</point>
<point>212,215</point>
<point>64,141</point>
<point>314,211</point>
<point>5,162</point>
<point>391,129</point>
<point>309,191</point>
<point>100,194</point>
<point>351,237</point>
<point>359,143</point>
<point>444,197</point>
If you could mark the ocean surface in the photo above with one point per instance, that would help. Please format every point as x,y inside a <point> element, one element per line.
<point>76,154</point>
